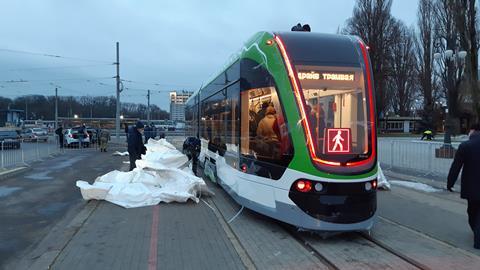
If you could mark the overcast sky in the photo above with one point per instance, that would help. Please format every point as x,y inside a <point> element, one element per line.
<point>164,45</point>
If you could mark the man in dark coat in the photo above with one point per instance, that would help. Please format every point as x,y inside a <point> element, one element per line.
<point>468,157</point>
<point>135,144</point>
<point>59,132</point>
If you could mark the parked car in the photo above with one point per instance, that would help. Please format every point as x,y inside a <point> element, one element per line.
<point>93,134</point>
<point>72,137</point>
<point>9,139</point>
<point>34,135</point>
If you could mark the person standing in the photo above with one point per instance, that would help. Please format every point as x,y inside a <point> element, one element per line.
<point>135,144</point>
<point>147,133</point>
<point>104,139</point>
<point>82,134</point>
<point>126,131</point>
<point>59,132</point>
<point>468,158</point>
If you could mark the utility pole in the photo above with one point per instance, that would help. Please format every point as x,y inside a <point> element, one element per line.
<point>26,108</point>
<point>56,108</point>
<point>117,114</point>
<point>148,107</point>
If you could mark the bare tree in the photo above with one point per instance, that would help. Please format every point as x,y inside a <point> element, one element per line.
<point>403,67</point>
<point>449,69</point>
<point>372,21</point>
<point>424,52</point>
<point>466,26</point>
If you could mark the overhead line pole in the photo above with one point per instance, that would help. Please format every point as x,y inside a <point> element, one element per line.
<point>56,108</point>
<point>148,107</point>
<point>117,113</point>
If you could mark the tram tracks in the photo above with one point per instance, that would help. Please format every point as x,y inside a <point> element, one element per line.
<point>340,251</point>
<point>394,252</point>
<point>344,255</point>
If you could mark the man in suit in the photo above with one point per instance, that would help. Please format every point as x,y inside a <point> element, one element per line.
<point>468,158</point>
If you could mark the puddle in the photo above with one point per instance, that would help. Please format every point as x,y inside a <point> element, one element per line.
<point>67,163</point>
<point>43,175</point>
<point>52,208</point>
<point>5,191</point>
<point>39,176</point>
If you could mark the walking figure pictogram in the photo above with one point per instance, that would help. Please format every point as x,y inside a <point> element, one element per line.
<point>338,141</point>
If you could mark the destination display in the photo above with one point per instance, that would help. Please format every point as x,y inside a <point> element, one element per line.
<point>326,76</point>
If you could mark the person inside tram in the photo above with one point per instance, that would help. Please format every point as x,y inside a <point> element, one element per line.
<point>262,112</point>
<point>268,135</point>
<point>312,119</point>
<point>321,125</point>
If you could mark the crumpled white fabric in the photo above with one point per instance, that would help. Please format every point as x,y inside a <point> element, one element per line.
<point>157,178</point>
<point>382,180</point>
<point>117,153</point>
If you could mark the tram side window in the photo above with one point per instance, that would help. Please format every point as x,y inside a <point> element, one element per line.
<point>212,122</point>
<point>232,125</point>
<point>191,120</point>
<point>265,143</point>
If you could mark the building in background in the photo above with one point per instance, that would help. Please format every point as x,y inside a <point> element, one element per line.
<point>11,117</point>
<point>177,104</point>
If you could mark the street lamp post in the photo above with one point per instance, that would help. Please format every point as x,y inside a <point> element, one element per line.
<point>454,59</point>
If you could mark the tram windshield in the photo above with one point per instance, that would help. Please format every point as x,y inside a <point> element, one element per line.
<point>336,109</point>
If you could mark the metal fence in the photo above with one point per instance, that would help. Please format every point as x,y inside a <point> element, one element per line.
<point>403,154</point>
<point>19,153</point>
<point>414,155</point>
<point>22,153</point>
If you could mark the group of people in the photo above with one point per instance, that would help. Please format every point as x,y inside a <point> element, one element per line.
<point>150,131</point>
<point>103,136</point>
<point>265,129</point>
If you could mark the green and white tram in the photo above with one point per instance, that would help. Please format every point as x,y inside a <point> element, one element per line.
<point>288,130</point>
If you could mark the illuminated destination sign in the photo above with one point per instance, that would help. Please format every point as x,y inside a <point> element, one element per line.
<point>326,76</point>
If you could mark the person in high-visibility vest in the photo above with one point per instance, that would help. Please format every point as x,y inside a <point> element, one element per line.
<point>427,133</point>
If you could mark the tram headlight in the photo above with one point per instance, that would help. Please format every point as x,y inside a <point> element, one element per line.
<point>368,186</point>
<point>371,185</point>
<point>318,187</point>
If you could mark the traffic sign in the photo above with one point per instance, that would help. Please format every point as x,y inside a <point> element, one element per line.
<point>338,141</point>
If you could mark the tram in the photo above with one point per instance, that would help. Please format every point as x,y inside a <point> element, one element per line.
<point>287,128</point>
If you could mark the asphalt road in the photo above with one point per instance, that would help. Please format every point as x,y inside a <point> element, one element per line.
<point>33,201</point>
<point>441,215</point>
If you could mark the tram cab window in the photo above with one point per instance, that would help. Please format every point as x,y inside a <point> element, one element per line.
<point>265,145</point>
<point>335,97</point>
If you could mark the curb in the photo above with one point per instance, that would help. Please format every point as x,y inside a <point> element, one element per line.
<point>12,172</point>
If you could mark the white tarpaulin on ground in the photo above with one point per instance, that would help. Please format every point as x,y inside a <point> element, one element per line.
<point>382,180</point>
<point>157,178</point>
<point>120,153</point>
<point>415,185</point>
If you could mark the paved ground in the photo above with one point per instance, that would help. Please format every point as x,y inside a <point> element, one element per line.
<point>36,199</point>
<point>441,215</point>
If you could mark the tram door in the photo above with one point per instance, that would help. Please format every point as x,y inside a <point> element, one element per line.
<point>338,109</point>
